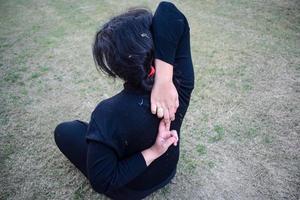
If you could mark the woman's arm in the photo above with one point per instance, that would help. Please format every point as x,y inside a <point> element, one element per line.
<point>164,139</point>
<point>164,93</point>
<point>167,26</point>
<point>107,173</point>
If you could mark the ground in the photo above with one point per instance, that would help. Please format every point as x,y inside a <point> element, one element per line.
<point>240,138</point>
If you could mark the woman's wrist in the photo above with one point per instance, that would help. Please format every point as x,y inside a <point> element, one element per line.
<point>163,72</point>
<point>149,155</point>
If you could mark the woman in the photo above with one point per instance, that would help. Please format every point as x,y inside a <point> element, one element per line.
<point>125,151</point>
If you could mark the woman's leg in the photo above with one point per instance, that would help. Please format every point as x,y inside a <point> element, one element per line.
<point>70,139</point>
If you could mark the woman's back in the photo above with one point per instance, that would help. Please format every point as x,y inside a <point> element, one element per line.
<point>126,124</point>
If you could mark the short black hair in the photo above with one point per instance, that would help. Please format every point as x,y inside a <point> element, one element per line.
<point>124,47</point>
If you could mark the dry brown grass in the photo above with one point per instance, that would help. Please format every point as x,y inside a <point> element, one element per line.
<point>240,138</point>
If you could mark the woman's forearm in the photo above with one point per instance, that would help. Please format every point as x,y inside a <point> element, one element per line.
<point>149,156</point>
<point>164,96</point>
<point>164,71</point>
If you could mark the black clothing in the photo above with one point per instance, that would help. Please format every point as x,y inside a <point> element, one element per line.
<point>70,138</point>
<point>123,125</point>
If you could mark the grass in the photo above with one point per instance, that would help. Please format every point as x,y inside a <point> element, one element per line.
<point>211,164</point>
<point>239,134</point>
<point>201,149</point>
<point>218,132</point>
<point>12,77</point>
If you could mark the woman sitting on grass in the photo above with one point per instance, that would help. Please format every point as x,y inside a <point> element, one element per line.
<point>130,147</point>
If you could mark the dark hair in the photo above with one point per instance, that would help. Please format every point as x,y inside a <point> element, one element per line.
<point>124,47</point>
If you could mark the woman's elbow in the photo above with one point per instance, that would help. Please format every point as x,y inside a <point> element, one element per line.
<point>102,186</point>
<point>98,187</point>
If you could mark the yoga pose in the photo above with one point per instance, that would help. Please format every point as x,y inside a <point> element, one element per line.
<point>130,146</point>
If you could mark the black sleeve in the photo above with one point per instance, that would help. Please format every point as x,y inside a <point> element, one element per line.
<point>168,25</point>
<point>105,171</point>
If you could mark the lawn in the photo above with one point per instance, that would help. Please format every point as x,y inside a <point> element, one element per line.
<point>241,135</point>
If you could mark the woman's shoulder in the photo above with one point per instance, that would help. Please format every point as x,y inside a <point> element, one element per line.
<point>120,103</point>
<point>121,114</point>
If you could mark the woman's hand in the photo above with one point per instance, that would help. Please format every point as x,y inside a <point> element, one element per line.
<point>165,138</point>
<point>164,96</point>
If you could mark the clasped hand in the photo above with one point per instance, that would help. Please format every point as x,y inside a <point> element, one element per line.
<point>165,138</point>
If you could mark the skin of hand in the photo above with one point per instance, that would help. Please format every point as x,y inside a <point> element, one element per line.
<point>164,94</point>
<point>165,138</point>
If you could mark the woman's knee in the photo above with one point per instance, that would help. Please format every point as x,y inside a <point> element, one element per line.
<point>59,131</point>
<point>63,130</point>
<point>66,130</point>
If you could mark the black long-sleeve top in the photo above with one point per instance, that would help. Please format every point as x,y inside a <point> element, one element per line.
<point>123,125</point>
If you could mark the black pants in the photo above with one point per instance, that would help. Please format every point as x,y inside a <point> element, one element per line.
<point>70,139</point>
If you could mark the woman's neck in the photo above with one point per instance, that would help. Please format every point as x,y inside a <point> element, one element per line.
<point>131,88</point>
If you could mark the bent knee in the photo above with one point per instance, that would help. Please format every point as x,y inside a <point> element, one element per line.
<point>59,131</point>
<point>66,130</point>
<point>59,128</point>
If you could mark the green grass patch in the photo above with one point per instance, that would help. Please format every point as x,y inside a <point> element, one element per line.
<point>12,77</point>
<point>166,191</point>
<point>211,164</point>
<point>35,75</point>
<point>251,133</point>
<point>216,71</point>
<point>205,117</point>
<point>247,85</point>
<point>24,91</point>
<point>188,165</point>
<point>201,149</point>
<point>267,139</point>
<point>51,38</point>
<point>44,69</point>
<point>6,149</point>
<point>232,84</point>
<point>218,132</point>
<point>79,192</point>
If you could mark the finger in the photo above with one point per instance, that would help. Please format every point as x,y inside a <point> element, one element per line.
<point>174,134</point>
<point>176,140</point>
<point>169,142</point>
<point>162,126</point>
<point>177,103</point>
<point>166,115</point>
<point>165,134</point>
<point>159,111</point>
<point>172,113</point>
<point>168,124</point>
<point>153,107</point>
